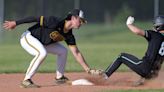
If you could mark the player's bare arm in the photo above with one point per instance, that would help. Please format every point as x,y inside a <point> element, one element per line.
<point>12,24</point>
<point>79,57</point>
<point>133,28</point>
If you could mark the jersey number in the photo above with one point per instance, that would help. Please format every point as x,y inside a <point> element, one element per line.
<point>161,50</point>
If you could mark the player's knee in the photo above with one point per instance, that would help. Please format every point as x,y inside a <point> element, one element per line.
<point>122,54</point>
<point>43,54</point>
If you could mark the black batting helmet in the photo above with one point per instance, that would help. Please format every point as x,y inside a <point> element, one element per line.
<point>159,23</point>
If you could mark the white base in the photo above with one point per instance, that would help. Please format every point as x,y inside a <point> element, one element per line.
<point>82,82</point>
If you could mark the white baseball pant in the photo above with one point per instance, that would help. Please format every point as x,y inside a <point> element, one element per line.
<point>34,47</point>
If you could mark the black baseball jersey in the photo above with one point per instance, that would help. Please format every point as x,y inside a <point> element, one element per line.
<point>155,48</point>
<point>49,30</point>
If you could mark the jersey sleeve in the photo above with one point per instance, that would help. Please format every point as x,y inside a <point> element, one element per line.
<point>147,35</point>
<point>28,20</point>
<point>50,21</point>
<point>70,40</point>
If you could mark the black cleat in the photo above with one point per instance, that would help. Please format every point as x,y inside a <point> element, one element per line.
<point>61,80</point>
<point>28,84</point>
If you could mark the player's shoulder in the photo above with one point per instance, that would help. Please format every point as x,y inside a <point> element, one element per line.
<point>150,31</point>
<point>153,32</point>
<point>54,18</point>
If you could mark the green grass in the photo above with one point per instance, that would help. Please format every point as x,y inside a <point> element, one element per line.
<point>100,45</point>
<point>97,55</point>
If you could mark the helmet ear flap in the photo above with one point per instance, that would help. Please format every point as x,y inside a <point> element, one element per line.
<point>156,27</point>
<point>159,28</point>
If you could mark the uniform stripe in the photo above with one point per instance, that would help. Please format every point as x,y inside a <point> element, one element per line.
<point>41,21</point>
<point>146,34</point>
<point>36,57</point>
<point>136,63</point>
<point>110,65</point>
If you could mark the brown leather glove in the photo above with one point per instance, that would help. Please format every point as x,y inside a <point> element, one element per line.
<point>95,71</point>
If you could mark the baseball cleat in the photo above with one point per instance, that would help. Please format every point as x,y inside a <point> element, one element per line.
<point>28,84</point>
<point>62,80</point>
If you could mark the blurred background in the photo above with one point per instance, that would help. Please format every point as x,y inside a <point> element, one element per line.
<point>100,40</point>
<point>96,11</point>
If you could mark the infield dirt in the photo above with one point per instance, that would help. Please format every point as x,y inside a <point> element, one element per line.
<point>118,81</point>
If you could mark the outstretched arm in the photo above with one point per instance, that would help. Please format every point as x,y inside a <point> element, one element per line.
<point>134,29</point>
<point>12,24</point>
<point>79,57</point>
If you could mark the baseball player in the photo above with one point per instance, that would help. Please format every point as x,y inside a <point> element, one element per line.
<point>44,37</point>
<point>149,66</point>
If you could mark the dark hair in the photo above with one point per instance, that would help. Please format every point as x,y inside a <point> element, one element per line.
<point>68,17</point>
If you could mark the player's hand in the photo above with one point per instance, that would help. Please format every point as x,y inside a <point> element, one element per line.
<point>95,71</point>
<point>130,20</point>
<point>9,25</point>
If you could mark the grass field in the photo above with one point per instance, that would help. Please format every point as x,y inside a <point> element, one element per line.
<point>100,45</point>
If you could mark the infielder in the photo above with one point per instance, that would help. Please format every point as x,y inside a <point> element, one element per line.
<point>148,67</point>
<point>44,37</point>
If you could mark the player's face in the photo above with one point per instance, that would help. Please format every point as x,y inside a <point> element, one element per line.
<point>76,21</point>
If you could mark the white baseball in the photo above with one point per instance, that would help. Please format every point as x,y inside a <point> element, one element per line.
<point>130,20</point>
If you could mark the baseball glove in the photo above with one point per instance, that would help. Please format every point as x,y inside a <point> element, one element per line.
<point>95,71</point>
